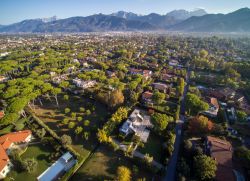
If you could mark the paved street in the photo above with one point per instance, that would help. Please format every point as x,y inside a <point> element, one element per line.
<point>171,168</point>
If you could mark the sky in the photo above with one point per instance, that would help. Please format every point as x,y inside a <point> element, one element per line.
<point>12,11</point>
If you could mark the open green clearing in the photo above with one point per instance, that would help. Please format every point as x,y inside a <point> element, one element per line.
<point>103,165</point>
<point>40,153</point>
<point>153,147</point>
<point>53,116</point>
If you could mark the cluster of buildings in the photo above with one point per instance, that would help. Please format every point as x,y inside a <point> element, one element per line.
<point>8,142</point>
<point>145,73</point>
<point>84,84</point>
<point>20,140</point>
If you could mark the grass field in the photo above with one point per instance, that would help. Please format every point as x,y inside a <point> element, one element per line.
<point>53,117</point>
<point>103,165</point>
<point>153,147</point>
<point>40,153</point>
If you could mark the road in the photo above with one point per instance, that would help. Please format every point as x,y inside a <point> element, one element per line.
<point>171,168</point>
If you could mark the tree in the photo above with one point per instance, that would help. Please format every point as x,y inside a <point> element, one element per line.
<point>148,159</point>
<point>71,125</point>
<point>78,130</point>
<point>81,109</point>
<point>66,110</point>
<point>200,125</point>
<point>66,140</point>
<point>102,136</point>
<point>195,104</point>
<point>205,167</point>
<point>183,167</point>
<point>79,118</point>
<point>181,84</point>
<point>41,132</point>
<point>241,116</point>
<point>65,121</point>
<point>158,97</point>
<point>73,115</point>
<point>86,123</point>
<point>66,97</point>
<point>86,135</point>
<point>123,173</point>
<point>161,121</point>
<point>116,98</point>
<point>242,155</point>
<point>55,92</point>
<point>30,165</point>
<point>203,53</point>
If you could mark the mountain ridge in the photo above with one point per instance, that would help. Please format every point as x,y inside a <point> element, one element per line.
<point>177,20</point>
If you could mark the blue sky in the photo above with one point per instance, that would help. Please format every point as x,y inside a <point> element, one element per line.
<point>12,11</point>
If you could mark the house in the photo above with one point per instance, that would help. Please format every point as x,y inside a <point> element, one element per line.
<point>221,151</point>
<point>215,93</point>
<point>1,114</point>
<point>166,77</point>
<point>173,63</point>
<point>110,73</point>
<point>213,106</point>
<point>145,73</point>
<point>84,84</point>
<point>147,96</point>
<point>228,93</point>
<point>71,69</point>
<point>231,114</point>
<point>161,87</point>
<point>3,78</point>
<point>59,79</point>
<point>4,54</point>
<point>57,169</point>
<point>7,143</point>
<point>76,61</point>
<point>52,74</point>
<point>137,123</point>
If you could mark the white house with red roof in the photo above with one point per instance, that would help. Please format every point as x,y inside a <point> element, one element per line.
<point>7,143</point>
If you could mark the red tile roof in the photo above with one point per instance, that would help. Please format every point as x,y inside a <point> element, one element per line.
<point>1,114</point>
<point>214,102</point>
<point>221,150</point>
<point>147,95</point>
<point>6,141</point>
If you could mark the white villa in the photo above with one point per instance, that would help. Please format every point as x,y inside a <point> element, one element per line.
<point>137,123</point>
<point>84,84</point>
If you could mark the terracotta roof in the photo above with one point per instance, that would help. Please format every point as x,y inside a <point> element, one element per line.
<point>221,151</point>
<point>167,76</point>
<point>1,114</point>
<point>214,102</point>
<point>6,141</point>
<point>147,95</point>
<point>14,137</point>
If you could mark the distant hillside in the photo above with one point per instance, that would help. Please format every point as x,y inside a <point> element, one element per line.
<point>79,24</point>
<point>161,21</point>
<point>238,21</point>
<point>177,20</point>
<point>183,14</point>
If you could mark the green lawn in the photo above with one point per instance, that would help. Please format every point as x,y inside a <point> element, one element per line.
<point>103,165</point>
<point>40,153</point>
<point>153,147</point>
<point>162,107</point>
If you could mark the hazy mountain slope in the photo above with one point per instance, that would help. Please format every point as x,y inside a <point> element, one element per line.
<point>238,21</point>
<point>80,24</point>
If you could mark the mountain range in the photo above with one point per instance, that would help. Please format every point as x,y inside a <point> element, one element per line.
<point>177,20</point>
